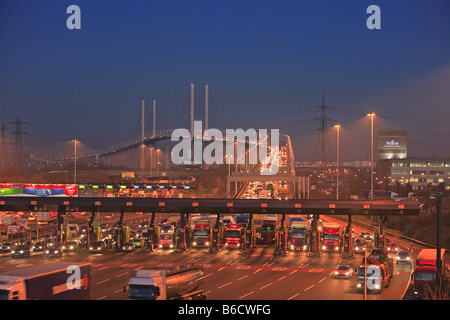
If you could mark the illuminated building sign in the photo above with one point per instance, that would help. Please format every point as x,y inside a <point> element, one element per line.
<point>392,144</point>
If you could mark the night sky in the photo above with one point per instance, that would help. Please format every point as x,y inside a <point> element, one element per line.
<point>267,64</point>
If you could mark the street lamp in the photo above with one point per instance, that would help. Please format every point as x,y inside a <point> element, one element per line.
<point>75,163</point>
<point>371,115</point>
<point>337,126</point>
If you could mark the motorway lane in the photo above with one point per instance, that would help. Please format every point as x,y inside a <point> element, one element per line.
<point>229,274</point>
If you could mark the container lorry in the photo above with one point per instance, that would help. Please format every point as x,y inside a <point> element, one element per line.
<point>55,281</point>
<point>331,237</point>
<point>233,235</point>
<point>298,236</point>
<point>182,283</point>
<point>201,235</point>
<point>425,270</point>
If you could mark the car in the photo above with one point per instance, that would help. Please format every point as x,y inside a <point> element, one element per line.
<point>97,247</point>
<point>38,246</point>
<point>128,247</point>
<point>393,248</point>
<point>54,252</point>
<point>20,251</point>
<point>6,247</point>
<point>70,246</point>
<point>343,271</point>
<point>137,242</point>
<point>403,256</point>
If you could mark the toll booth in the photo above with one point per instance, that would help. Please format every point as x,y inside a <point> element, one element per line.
<point>315,236</point>
<point>281,236</point>
<point>216,238</point>
<point>249,238</point>
<point>347,244</point>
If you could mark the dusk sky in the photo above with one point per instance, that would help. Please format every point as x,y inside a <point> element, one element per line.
<point>267,64</point>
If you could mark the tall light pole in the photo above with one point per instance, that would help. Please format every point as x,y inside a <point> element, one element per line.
<point>337,162</point>
<point>75,163</point>
<point>371,115</point>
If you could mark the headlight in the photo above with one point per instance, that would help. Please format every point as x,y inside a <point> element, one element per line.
<point>160,246</point>
<point>171,246</point>
<point>47,251</point>
<point>56,251</point>
<point>12,251</point>
<point>407,258</point>
<point>194,243</point>
<point>238,244</point>
<point>90,248</point>
<point>304,247</point>
<point>71,247</point>
<point>64,247</point>
<point>21,251</point>
<point>324,248</point>
<point>377,286</point>
<point>99,248</point>
<point>292,247</point>
<point>359,285</point>
<point>336,273</point>
<point>206,243</point>
<point>336,248</point>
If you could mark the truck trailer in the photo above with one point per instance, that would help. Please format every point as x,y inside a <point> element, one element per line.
<point>55,281</point>
<point>425,270</point>
<point>182,283</point>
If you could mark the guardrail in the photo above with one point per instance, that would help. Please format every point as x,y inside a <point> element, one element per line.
<point>388,232</point>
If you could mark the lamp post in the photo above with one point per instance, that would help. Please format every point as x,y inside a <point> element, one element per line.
<point>75,163</point>
<point>337,126</point>
<point>371,115</point>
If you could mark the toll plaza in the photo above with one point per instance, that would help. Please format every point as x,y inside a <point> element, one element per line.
<point>185,207</point>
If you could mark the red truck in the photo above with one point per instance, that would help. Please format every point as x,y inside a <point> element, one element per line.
<point>425,269</point>
<point>201,236</point>
<point>330,237</point>
<point>233,235</point>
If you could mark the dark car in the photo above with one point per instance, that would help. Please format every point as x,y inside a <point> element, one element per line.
<point>97,247</point>
<point>54,252</point>
<point>21,251</point>
<point>128,247</point>
<point>70,246</point>
<point>403,256</point>
<point>38,246</point>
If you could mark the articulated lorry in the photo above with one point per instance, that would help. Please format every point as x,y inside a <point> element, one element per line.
<point>182,283</point>
<point>298,236</point>
<point>55,281</point>
<point>268,226</point>
<point>201,236</point>
<point>233,235</point>
<point>331,237</point>
<point>425,271</point>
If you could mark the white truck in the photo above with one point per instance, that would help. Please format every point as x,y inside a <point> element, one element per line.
<point>182,283</point>
<point>55,281</point>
